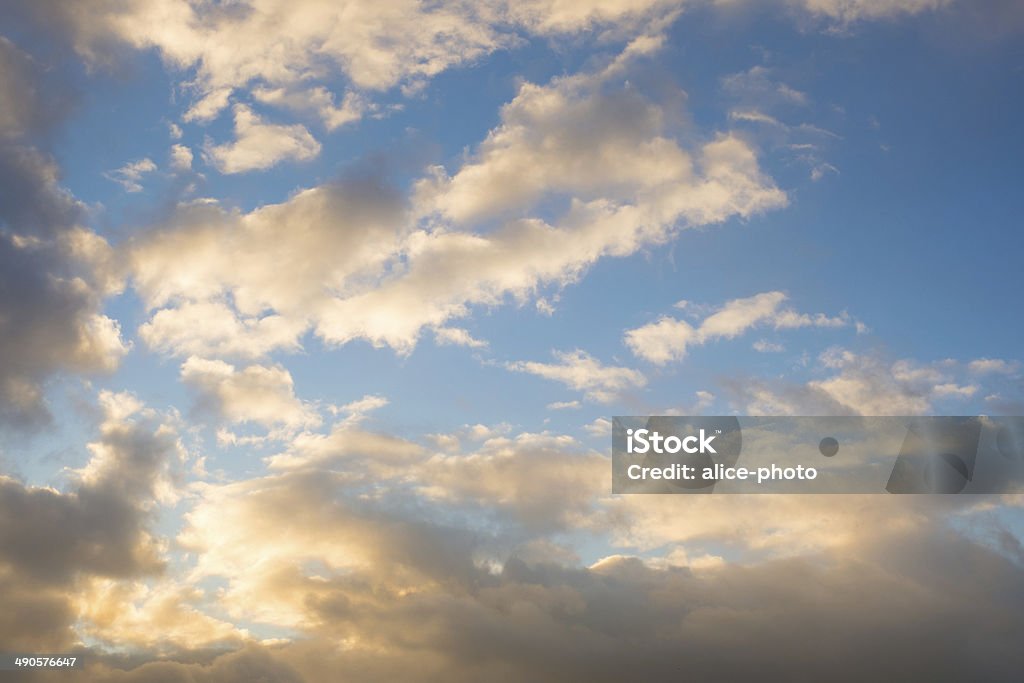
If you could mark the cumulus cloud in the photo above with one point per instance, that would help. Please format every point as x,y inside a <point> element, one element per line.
<point>306,548</point>
<point>130,175</point>
<point>53,273</point>
<point>669,338</point>
<point>337,234</point>
<point>264,395</point>
<point>319,101</point>
<point>860,384</point>
<point>406,268</point>
<point>181,158</point>
<point>297,48</point>
<point>580,371</point>
<point>259,145</point>
<point>54,541</point>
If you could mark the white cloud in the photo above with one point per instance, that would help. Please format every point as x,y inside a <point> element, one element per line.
<point>859,384</point>
<point>456,336</point>
<point>319,101</point>
<point>669,338</point>
<point>765,346</point>
<point>582,372</point>
<point>983,366</point>
<point>260,145</point>
<point>653,189</point>
<point>358,410</point>
<point>130,175</point>
<point>181,158</point>
<point>264,395</point>
<point>338,235</point>
<point>385,284</point>
<point>564,405</point>
<point>600,427</point>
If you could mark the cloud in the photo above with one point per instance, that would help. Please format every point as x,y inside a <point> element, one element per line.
<point>564,405</point>
<point>338,234</point>
<point>658,191</point>
<point>984,366</point>
<point>53,273</point>
<point>846,11</point>
<point>758,86</point>
<point>320,101</point>
<point>403,586</point>
<point>358,410</point>
<point>260,145</point>
<point>100,527</point>
<point>406,268</point>
<point>580,371</point>
<point>669,338</point>
<point>302,48</point>
<point>765,346</point>
<point>264,395</point>
<point>456,336</point>
<point>130,175</point>
<point>181,158</point>
<point>601,427</point>
<point>859,384</point>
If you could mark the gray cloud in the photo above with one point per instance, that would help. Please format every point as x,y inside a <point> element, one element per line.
<point>50,292</point>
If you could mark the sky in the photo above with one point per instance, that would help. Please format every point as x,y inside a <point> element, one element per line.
<point>314,316</point>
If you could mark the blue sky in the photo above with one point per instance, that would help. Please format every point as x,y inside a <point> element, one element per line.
<point>909,227</point>
<point>390,270</point>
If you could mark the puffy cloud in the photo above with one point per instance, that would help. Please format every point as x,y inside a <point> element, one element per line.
<point>154,616</point>
<point>860,384</point>
<point>181,158</point>
<point>259,145</point>
<point>49,322</point>
<point>53,273</point>
<point>337,234</point>
<point>256,394</point>
<point>53,543</point>
<point>32,201</point>
<point>400,271</point>
<point>299,48</point>
<point>600,427</point>
<point>504,475</point>
<point>580,371</point>
<point>448,271</point>
<point>320,101</point>
<point>130,175</point>
<point>669,338</point>
<point>402,571</point>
